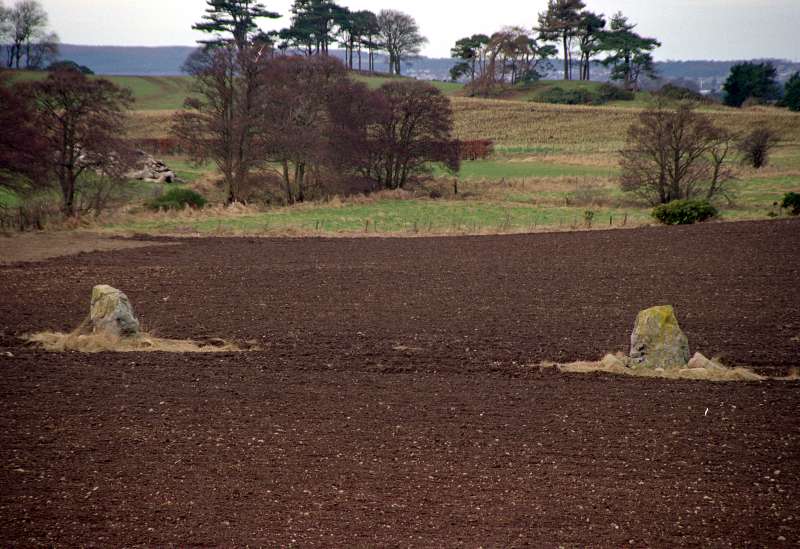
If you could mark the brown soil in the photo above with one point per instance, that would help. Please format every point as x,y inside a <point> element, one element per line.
<point>391,405</point>
<point>45,245</point>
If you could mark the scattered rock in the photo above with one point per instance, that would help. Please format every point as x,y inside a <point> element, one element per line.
<point>150,169</point>
<point>111,313</point>
<point>657,340</point>
<point>614,362</point>
<point>700,361</point>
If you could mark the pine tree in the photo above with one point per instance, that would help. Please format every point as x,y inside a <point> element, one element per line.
<point>560,23</point>
<point>791,96</point>
<point>234,17</point>
<point>630,54</point>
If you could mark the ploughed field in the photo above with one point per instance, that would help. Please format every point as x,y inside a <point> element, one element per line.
<point>394,401</point>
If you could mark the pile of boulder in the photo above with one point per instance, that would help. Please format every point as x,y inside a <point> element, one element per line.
<point>148,168</point>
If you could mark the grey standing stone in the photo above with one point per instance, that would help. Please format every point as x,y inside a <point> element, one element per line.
<point>111,313</point>
<point>657,340</point>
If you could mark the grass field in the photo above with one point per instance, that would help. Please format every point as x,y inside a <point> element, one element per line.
<point>386,216</point>
<point>552,164</point>
<point>159,93</point>
<point>149,92</point>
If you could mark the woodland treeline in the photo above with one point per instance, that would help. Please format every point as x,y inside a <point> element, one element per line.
<point>518,54</point>
<point>316,25</point>
<point>258,116</point>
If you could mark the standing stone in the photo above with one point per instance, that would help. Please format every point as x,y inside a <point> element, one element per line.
<point>111,313</point>
<point>657,340</point>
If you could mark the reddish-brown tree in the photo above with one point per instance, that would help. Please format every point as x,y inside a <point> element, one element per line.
<point>21,145</point>
<point>298,92</point>
<point>414,128</point>
<point>354,111</point>
<point>224,121</point>
<point>81,123</point>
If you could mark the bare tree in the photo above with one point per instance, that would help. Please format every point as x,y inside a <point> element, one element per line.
<point>400,37</point>
<point>43,52</point>
<point>5,31</point>
<point>415,127</point>
<point>675,154</point>
<point>81,122</point>
<point>297,121</point>
<point>29,21</point>
<point>21,145</point>
<point>757,145</point>
<point>223,121</point>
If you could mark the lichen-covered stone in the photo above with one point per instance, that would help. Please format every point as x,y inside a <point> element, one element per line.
<point>657,340</point>
<point>111,313</point>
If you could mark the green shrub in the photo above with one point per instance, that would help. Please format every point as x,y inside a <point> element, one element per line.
<point>684,212</point>
<point>791,201</point>
<point>560,96</point>
<point>177,199</point>
<point>679,93</point>
<point>602,95</point>
<point>610,92</point>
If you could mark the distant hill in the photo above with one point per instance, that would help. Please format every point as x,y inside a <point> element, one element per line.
<point>167,61</point>
<point>126,60</point>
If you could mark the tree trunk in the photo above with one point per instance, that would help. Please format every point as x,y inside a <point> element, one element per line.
<point>299,179</point>
<point>352,48</point>
<point>68,192</point>
<point>288,182</point>
<point>566,59</point>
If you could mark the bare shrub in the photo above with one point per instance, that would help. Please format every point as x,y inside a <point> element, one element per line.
<point>480,149</point>
<point>756,146</point>
<point>674,155</point>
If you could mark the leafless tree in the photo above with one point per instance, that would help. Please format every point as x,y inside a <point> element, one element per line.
<point>757,145</point>
<point>225,119</point>
<point>676,154</point>
<point>21,145</point>
<point>414,128</point>
<point>513,55</point>
<point>28,23</point>
<point>399,35</point>
<point>81,123</point>
<point>299,92</point>
<point>43,52</point>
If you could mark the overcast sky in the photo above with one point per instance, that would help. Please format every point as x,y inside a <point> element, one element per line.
<point>688,29</point>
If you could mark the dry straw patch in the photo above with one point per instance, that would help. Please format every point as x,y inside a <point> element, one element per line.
<point>617,365</point>
<point>102,343</point>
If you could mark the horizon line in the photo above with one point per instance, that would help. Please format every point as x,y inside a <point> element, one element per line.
<point>668,60</point>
